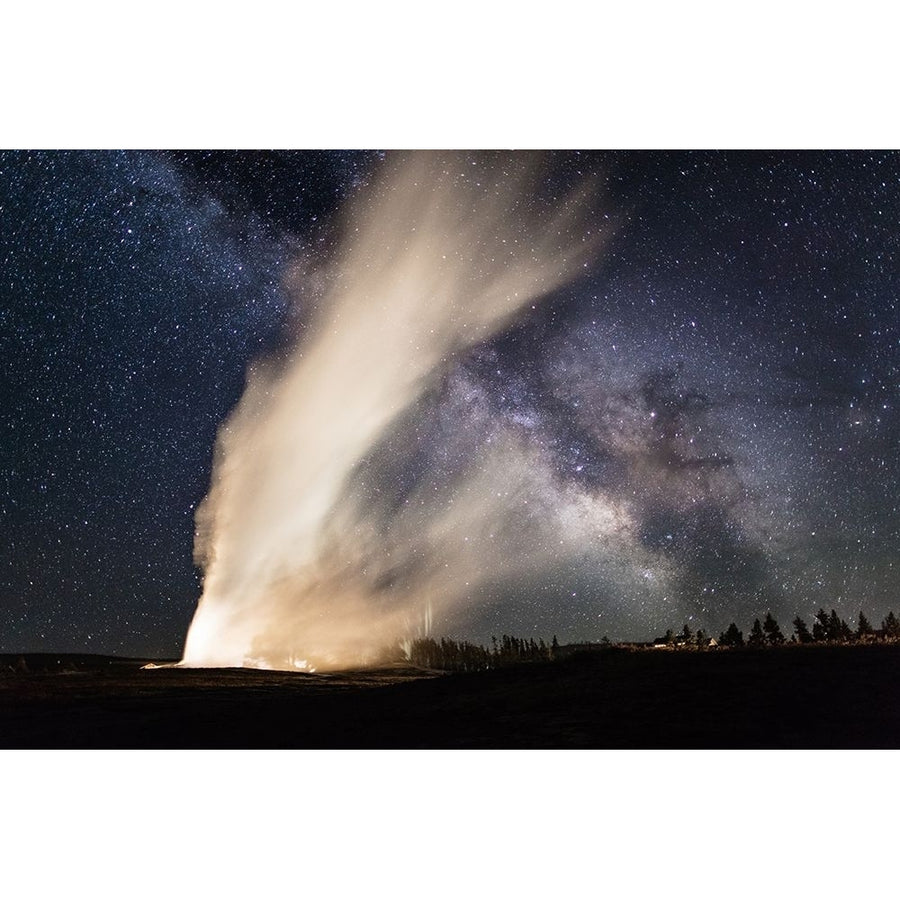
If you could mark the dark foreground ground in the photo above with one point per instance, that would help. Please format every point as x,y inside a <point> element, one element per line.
<point>794,697</point>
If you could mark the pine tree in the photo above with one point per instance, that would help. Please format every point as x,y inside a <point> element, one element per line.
<point>846,632</point>
<point>820,626</point>
<point>773,632</point>
<point>890,626</point>
<point>756,638</point>
<point>702,639</point>
<point>834,627</point>
<point>687,636</point>
<point>732,637</point>
<point>863,629</point>
<point>802,631</point>
<point>554,648</point>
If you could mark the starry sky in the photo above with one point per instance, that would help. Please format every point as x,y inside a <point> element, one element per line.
<point>722,382</point>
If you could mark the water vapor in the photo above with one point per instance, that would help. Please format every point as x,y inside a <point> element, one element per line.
<point>312,556</point>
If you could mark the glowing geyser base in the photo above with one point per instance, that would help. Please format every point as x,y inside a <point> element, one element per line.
<point>298,638</point>
<point>300,568</point>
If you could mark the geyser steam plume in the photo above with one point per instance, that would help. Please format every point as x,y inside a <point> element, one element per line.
<point>436,256</point>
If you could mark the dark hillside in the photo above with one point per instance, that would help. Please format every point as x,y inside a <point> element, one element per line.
<point>790,697</point>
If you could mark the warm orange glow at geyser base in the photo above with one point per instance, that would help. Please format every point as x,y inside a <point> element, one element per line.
<point>432,261</point>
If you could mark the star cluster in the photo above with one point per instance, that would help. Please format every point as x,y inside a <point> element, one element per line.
<point>710,411</point>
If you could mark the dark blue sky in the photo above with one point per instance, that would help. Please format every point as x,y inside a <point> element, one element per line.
<point>729,370</point>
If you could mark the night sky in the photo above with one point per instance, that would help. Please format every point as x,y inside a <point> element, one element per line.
<point>726,375</point>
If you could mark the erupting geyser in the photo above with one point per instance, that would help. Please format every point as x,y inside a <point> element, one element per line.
<point>436,256</point>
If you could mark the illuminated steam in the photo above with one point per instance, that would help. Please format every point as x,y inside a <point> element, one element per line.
<point>302,566</point>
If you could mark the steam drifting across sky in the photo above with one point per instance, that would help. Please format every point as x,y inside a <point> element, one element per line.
<point>318,546</point>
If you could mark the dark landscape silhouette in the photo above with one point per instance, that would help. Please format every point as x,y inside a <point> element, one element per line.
<point>828,686</point>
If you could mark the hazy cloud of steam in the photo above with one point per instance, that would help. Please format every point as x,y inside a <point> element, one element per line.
<point>435,256</point>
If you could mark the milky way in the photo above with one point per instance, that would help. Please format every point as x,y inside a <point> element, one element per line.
<point>701,427</point>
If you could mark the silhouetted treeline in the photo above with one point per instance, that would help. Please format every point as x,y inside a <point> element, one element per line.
<point>827,628</point>
<point>461,656</point>
<point>685,638</point>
